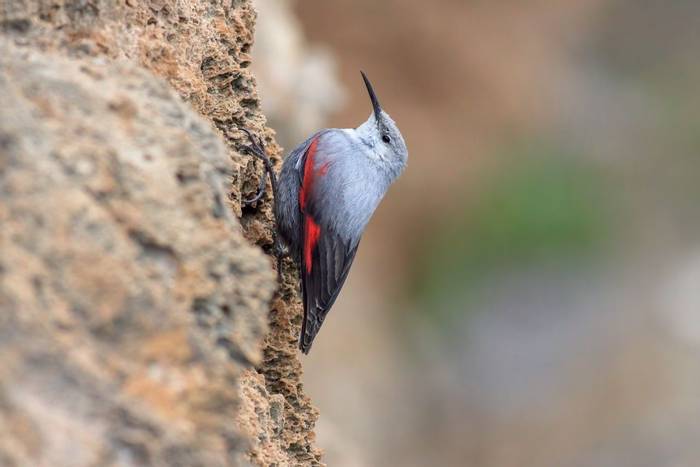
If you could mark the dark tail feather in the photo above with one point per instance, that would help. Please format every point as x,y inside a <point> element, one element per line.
<point>304,343</point>
<point>309,328</point>
<point>321,285</point>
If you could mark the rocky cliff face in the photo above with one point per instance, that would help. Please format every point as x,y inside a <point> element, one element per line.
<point>139,323</point>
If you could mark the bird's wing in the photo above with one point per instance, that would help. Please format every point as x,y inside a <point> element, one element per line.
<point>330,263</point>
<point>326,255</point>
<point>287,212</point>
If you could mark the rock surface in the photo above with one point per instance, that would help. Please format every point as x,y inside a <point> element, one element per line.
<point>133,305</point>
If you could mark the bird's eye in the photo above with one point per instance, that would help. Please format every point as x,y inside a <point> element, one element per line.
<point>386,139</point>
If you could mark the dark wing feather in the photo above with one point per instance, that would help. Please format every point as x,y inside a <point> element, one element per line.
<point>331,261</point>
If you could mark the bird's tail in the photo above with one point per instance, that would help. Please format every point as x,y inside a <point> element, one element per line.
<point>309,328</point>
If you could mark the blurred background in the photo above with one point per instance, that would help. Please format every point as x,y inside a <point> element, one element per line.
<point>528,293</point>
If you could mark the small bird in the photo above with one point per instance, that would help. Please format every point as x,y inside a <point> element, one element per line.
<point>327,191</point>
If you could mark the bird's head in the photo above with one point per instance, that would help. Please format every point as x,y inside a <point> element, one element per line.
<point>382,135</point>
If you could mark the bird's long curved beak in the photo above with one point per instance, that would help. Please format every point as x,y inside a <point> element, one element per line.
<point>373,97</point>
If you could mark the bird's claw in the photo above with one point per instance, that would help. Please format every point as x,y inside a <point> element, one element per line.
<point>257,149</point>
<point>259,194</point>
<point>281,252</point>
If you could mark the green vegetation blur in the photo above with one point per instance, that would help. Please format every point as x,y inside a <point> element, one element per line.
<point>541,204</point>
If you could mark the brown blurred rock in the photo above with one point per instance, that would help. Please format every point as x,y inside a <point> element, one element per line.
<point>132,306</point>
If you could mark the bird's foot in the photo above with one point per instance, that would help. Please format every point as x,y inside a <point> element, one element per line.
<point>281,252</point>
<point>257,149</point>
<point>256,146</point>
<point>260,193</point>
<point>279,249</point>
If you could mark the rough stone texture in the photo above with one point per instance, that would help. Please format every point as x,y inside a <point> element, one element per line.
<point>132,307</point>
<point>128,290</point>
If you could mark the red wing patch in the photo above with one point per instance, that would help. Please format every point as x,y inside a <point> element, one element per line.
<point>312,231</point>
<point>308,180</point>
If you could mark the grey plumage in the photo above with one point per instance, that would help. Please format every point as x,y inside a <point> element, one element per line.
<point>328,190</point>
